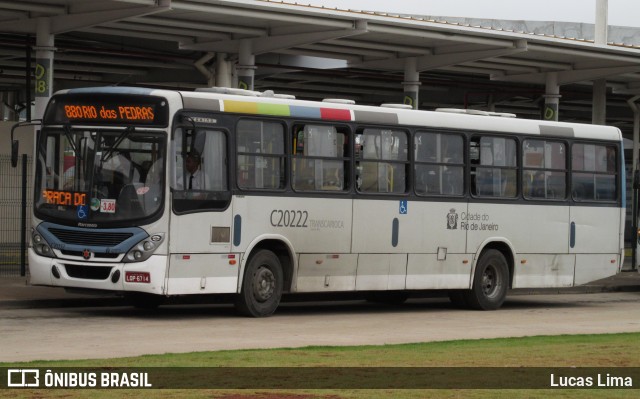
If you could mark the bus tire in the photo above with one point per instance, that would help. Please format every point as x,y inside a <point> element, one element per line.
<point>262,285</point>
<point>141,300</point>
<point>490,282</point>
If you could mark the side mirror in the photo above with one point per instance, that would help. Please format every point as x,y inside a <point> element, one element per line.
<point>636,180</point>
<point>15,143</point>
<point>14,152</point>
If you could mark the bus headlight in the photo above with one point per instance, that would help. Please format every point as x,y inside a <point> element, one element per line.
<point>40,245</point>
<point>144,249</point>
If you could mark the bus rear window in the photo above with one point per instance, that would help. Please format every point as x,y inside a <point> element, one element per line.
<point>594,176</point>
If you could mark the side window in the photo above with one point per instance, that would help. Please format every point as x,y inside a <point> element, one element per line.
<point>594,172</point>
<point>261,156</point>
<point>493,167</point>
<point>382,161</point>
<point>320,158</point>
<point>544,169</point>
<point>439,164</point>
<point>200,160</point>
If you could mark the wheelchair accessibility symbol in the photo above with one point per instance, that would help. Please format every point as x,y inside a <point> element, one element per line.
<point>82,212</point>
<point>403,207</point>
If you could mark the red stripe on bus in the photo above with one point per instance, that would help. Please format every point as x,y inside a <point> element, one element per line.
<point>335,114</point>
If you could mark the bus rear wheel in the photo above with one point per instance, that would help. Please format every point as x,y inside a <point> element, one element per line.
<point>262,285</point>
<point>490,282</point>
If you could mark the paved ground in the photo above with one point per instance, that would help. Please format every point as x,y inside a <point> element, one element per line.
<point>16,292</point>
<point>45,323</point>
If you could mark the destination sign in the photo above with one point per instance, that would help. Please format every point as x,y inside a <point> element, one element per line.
<point>120,112</point>
<point>107,110</point>
<point>65,198</point>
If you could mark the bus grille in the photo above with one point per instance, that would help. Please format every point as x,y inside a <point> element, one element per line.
<point>89,238</point>
<point>95,254</point>
<point>88,272</point>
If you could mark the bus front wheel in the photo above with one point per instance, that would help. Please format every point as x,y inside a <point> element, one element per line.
<point>490,282</point>
<point>262,285</point>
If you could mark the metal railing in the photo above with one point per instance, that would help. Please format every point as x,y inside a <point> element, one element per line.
<point>15,201</point>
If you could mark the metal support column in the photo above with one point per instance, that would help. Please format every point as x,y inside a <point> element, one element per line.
<point>23,218</point>
<point>636,146</point>
<point>223,72</point>
<point>27,74</point>
<point>602,23</point>
<point>491,105</point>
<point>599,102</point>
<point>411,82</point>
<point>551,98</point>
<point>44,66</point>
<point>636,128</point>
<point>246,65</point>
<point>204,70</point>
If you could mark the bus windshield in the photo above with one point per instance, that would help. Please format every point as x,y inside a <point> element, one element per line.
<point>105,176</point>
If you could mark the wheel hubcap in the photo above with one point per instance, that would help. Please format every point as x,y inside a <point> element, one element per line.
<point>489,281</point>
<point>264,284</point>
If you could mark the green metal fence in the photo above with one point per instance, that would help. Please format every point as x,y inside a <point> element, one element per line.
<point>15,203</point>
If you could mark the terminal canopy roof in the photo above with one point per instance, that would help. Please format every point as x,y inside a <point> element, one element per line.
<point>313,52</point>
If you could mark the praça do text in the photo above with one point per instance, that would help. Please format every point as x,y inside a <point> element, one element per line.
<point>65,198</point>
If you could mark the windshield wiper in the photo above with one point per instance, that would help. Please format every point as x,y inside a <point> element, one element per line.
<point>72,143</point>
<point>115,145</point>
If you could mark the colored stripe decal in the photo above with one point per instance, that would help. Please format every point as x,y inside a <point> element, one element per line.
<point>242,107</point>
<point>556,131</point>
<point>375,117</point>
<point>305,112</point>
<point>202,103</point>
<point>274,109</point>
<point>245,107</point>
<point>335,114</point>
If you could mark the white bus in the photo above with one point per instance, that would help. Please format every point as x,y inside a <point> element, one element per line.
<point>310,197</point>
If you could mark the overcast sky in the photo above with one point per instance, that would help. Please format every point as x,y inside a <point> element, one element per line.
<point>621,12</point>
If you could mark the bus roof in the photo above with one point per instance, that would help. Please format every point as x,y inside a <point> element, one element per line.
<point>256,103</point>
<point>343,111</point>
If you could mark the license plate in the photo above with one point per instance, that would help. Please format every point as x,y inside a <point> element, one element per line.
<point>137,277</point>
